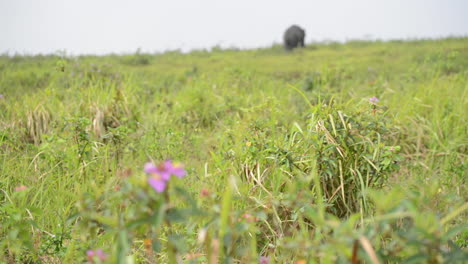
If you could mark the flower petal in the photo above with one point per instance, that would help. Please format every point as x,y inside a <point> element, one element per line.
<point>168,165</point>
<point>101,255</point>
<point>90,253</point>
<point>165,175</point>
<point>150,168</point>
<point>264,260</point>
<point>374,100</point>
<point>179,172</point>
<point>158,185</point>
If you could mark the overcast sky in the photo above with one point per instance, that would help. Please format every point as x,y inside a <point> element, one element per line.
<point>117,26</point>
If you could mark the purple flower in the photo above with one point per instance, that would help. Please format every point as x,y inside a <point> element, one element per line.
<point>160,175</point>
<point>374,100</point>
<point>1,96</point>
<point>98,253</point>
<point>264,260</point>
<point>176,169</point>
<point>158,184</point>
<point>158,171</point>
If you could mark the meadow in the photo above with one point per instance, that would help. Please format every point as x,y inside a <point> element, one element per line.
<point>334,153</point>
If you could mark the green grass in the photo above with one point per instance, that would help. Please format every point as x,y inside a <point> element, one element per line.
<point>272,122</point>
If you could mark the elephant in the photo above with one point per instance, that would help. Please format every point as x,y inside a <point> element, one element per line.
<point>294,37</point>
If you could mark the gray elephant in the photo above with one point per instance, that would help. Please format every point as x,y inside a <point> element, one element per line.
<point>294,37</point>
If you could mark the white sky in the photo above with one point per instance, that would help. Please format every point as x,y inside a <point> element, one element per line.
<point>106,26</point>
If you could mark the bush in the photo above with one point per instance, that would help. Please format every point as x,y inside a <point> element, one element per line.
<point>351,153</point>
<point>137,59</point>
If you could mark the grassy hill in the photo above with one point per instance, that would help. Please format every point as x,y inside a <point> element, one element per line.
<point>287,160</point>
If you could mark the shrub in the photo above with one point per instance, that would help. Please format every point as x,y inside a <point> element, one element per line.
<point>352,152</point>
<point>137,59</point>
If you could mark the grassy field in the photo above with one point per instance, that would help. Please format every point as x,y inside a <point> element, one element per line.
<point>287,159</point>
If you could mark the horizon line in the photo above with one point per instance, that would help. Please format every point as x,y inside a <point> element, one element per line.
<point>138,50</point>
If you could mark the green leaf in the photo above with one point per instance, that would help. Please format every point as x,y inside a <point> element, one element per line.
<point>156,245</point>
<point>176,215</point>
<point>454,231</point>
<point>139,222</point>
<point>178,242</point>
<point>417,259</point>
<point>122,247</point>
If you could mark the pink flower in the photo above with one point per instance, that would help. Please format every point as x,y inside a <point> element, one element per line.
<point>20,188</point>
<point>204,192</point>
<point>264,260</point>
<point>98,253</point>
<point>158,184</point>
<point>160,175</point>
<point>249,218</point>
<point>374,100</point>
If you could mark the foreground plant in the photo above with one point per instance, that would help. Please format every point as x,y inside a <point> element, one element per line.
<point>139,209</point>
<point>393,233</point>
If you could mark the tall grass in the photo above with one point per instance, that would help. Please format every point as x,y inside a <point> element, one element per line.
<point>290,139</point>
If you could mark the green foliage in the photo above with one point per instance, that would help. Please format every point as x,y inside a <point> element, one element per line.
<point>286,157</point>
<point>137,59</point>
<point>397,232</point>
<point>15,227</point>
